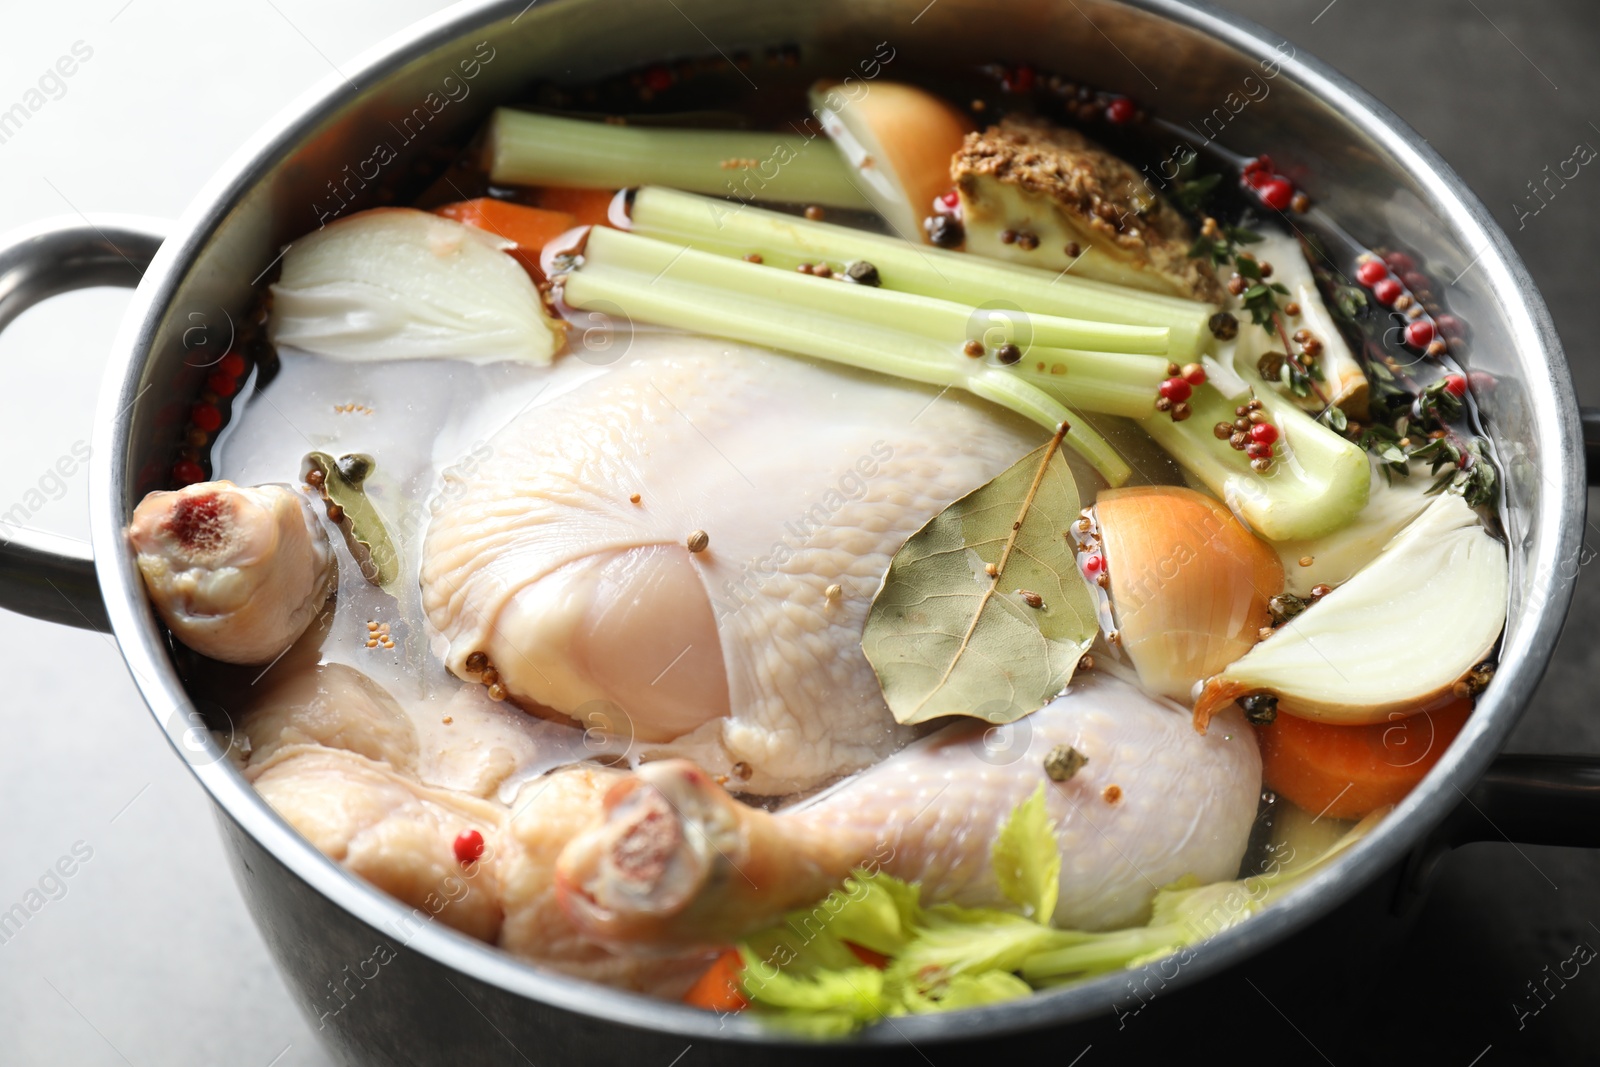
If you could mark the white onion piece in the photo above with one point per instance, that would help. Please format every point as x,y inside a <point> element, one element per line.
<point>1343,382</point>
<point>898,141</point>
<point>1336,557</point>
<point>1398,635</point>
<point>395,283</point>
<point>1189,583</point>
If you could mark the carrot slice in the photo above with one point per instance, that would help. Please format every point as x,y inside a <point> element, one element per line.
<point>529,227</point>
<point>872,959</point>
<point>719,988</point>
<point>591,207</point>
<point>1345,772</point>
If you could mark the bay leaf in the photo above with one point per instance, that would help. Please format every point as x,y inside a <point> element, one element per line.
<point>946,638</point>
<point>364,531</point>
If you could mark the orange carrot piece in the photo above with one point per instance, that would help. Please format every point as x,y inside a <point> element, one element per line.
<point>530,227</point>
<point>719,988</point>
<point>872,959</point>
<point>591,207</point>
<point>1345,772</point>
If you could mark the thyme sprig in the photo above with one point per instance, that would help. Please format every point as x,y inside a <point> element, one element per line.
<point>1469,473</point>
<point>1261,298</point>
<point>1460,465</point>
<point>1218,243</point>
<point>1437,405</point>
<point>1191,194</point>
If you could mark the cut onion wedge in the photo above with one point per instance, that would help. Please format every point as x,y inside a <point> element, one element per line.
<point>1343,384</point>
<point>898,140</point>
<point>395,283</point>
<point>1336,558</point>
<point>1189,584</point>
<point>1396,637</point>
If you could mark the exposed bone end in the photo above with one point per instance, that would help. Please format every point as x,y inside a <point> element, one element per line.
<point>633,877</point>
<point>236,573</point>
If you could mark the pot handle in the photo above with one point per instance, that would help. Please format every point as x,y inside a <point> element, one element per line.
<point>1591,442</point>
<point>45,575</point>
<point>1521,799</point>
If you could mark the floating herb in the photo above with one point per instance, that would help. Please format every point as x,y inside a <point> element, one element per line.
<point>1219,243</point>
<point>945,635</point>
<point>1192,194</point>
<point>1436,404</point>
<point>1470,476</point>
<point>1261,298</point>
<point>1348,302</point>
<point>342,482</point>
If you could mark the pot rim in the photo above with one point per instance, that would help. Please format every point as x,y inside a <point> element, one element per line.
<point>1556,530</point>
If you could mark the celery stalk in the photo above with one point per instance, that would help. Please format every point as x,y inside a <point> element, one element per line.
<point>939,320</point>
<point>531,149</point>
<point>813,982</point>
<point>890,339</point>
<point>1318,481</point>
<point>1101,382</point>
<point>785,241</point>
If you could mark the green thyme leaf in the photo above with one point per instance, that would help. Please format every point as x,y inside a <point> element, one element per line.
<point>1191,195</point>
<point>1438,405</point>
<point>1349,301</point>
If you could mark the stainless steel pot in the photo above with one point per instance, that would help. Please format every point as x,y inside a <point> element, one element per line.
<point>383,986</point>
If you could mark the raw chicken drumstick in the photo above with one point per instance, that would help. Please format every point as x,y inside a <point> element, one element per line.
<point>678,861</point>
<point>339,759</point>
<point>236,573</point>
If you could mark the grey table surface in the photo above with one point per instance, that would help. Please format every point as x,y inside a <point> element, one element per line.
<point>145,955</point>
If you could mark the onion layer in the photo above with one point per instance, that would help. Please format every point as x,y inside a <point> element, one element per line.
<point>394,283</point>
<point>1189,584</point>
<point>1396,637</point>
<point>898,140</point>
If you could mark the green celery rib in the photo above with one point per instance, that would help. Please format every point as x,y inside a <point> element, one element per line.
<point>933,318</point>
<point>1110,951</point>
<point>1106,382</point>
<point>1318,481</point>
<point>1031,402</point>
<point>531,149</point>
<point>734,229</point>
<point>669,300</point>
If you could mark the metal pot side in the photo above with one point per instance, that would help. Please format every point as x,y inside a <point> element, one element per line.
<point>440,997</point>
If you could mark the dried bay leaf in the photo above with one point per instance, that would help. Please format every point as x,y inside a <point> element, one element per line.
<point>364,531</point>
<point>946,638</point>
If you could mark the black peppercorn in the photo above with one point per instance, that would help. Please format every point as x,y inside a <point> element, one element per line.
<point>354,467</point>
<point>1224,327</point>
<point>944,231</point>
<point>1261,709</point>
<point>863,273</point>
